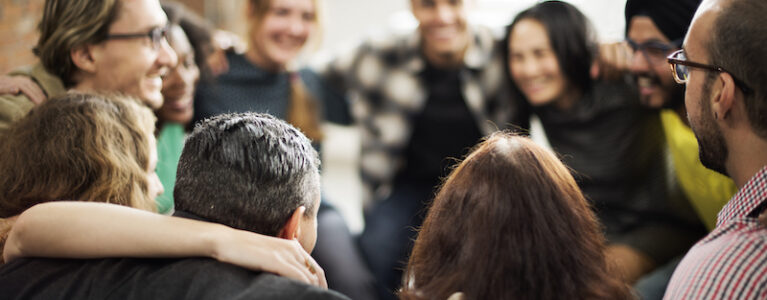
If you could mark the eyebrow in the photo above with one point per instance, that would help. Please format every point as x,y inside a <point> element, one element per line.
<point>655,40</point>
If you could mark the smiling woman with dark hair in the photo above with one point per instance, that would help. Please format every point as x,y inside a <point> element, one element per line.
<point>510,223</point>
<point>614,145</point>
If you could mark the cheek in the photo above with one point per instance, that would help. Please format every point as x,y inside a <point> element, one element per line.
<point>514,70</point>
<point>156,184</point>
<point>664,74</point>
<point>191,76</point>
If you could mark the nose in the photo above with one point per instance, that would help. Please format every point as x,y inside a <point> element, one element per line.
<point>166,57</point>
<point>639,63</point>
<point>158,185</point>
<point>299,26</point>
<point>445,14</point>
<point>528,67</point>
<point>173,77</point>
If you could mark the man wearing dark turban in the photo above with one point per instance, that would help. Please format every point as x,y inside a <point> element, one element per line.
<point>655,29</point>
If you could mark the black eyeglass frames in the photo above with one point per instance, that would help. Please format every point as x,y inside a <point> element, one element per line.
<point>156,35</point>
<point>680,67</point>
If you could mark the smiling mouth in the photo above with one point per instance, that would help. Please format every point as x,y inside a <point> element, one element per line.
<point>534,85</point>
<point>289,42</point>
<point>443,32</point>
<point>647,85</point>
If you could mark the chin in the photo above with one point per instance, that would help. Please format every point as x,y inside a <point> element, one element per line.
<point>153,101</point>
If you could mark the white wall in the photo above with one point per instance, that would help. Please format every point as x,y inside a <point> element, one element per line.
<point>348,21</point>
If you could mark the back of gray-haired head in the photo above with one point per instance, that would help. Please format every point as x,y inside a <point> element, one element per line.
<point>249,171</point>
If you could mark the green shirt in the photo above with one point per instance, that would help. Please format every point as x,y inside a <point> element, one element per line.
<point>707,190</point>
<point>170,142</point>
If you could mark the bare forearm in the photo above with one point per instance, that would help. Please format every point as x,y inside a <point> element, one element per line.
<point>97,230</point>
<point>91,230</point>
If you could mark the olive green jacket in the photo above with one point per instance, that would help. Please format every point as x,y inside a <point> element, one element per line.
<point>13,107</point>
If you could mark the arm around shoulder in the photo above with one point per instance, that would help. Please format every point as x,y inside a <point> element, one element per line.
<point>97,230</point>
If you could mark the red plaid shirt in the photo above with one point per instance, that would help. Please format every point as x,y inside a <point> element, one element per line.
<point>731,262</point>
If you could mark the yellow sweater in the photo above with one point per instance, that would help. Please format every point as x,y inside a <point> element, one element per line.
<point>707,190</point>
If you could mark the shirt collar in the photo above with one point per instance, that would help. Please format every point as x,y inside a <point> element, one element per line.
<point>747,199</point>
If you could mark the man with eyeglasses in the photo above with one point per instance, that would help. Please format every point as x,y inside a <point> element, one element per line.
<point>724,67</point>
<point>654,30</point>
<point>97,46</point>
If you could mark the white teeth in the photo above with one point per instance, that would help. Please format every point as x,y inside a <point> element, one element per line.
<point>645,82</point>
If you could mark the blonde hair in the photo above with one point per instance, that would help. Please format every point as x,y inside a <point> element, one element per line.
<point>78,147</point>
<point>67,25</point>
<point>303,111</point>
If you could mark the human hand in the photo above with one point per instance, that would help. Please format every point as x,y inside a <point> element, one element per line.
<point>263,253</point>
<point>22,84</point>
<point>763,218</point>
<point>613,61</point>
<point>227,40</point>
<point>223,41</point>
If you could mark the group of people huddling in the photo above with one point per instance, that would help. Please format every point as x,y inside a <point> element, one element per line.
<point>647,178</point>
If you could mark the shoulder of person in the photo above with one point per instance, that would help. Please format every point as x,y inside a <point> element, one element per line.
<point>216,280</point>
<point>13,108</point>
<point>48,82</point>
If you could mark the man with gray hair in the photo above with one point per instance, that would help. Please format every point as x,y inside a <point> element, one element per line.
<point>253,172</point>
<point>248,171</point>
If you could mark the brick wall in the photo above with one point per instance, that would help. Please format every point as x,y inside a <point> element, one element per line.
<point>18,32</point>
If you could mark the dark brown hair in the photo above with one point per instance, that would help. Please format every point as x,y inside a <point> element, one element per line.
<point>738,45</point>
<point>199,32</point>
<point>510,223</point>
<point>77,147</point>
<point>571,36</point>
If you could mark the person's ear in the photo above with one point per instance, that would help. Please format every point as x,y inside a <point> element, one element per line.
<point>83,58</point>
<point>723,96</point>
<point>292,228</point>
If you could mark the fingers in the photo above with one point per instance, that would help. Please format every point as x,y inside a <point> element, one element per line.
<point>301,266</point>
<point>298,272</point>
<point>217,63</point>
<point>33,92</point>
<point>21,84</point>
<point>318,272</point>
<point>613,61</point>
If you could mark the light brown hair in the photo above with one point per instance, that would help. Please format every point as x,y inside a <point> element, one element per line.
<point>78,147</point>
<point>67,25</point>
<point>303,111</point>
<point>510,223</point>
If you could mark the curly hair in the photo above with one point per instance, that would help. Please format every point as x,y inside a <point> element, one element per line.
<point>78,147</point>
<point>510,223</point>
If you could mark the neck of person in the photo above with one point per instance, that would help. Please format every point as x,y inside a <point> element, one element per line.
<point>256,58</point>
<point>747,155</point>
<point>84,86</point>
<point>444,60</point>
<point>567,101</point>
